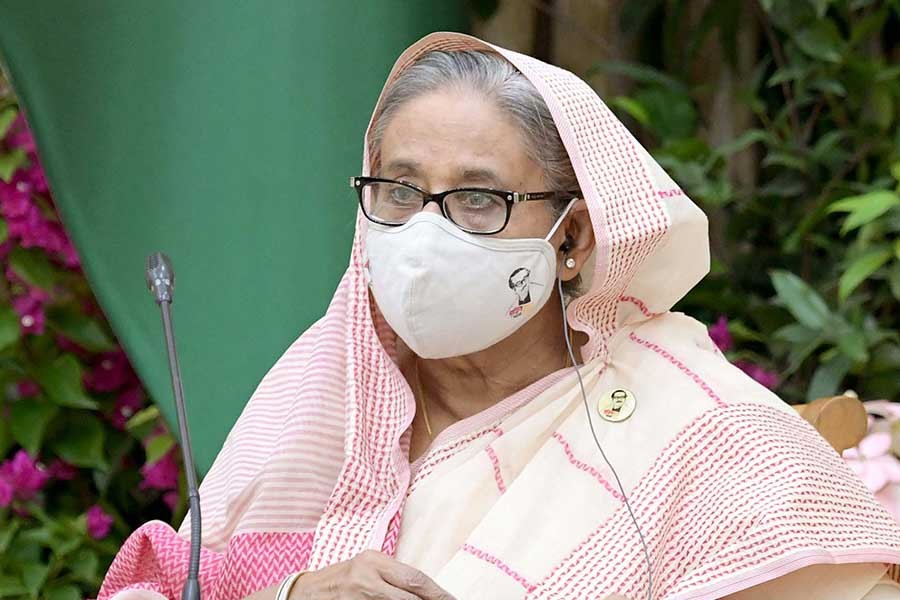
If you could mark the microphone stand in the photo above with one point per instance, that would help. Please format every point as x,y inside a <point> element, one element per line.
<point>161,282</point>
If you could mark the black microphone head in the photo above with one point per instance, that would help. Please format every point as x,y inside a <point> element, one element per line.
<point>160,277</point>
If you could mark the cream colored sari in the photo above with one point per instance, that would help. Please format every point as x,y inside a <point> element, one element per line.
<point>732,493</point>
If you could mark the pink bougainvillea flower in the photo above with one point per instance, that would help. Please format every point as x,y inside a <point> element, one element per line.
<point>15,196</point>
<point>19,135</point>
<point>34,173</point>
<point>51,236</point>
<point>98,522</point>
<point>27,388</point>
<point>170,499</point>
<point>127,404</point>
<point>68,345</point>
<point>720,334</point>
<point>61,470</point>
<point>30,307</point>
<point>111,372</point>
<point>26,224</point>
<point>29,229</point>
<point>6,493</point>
<point>161,475</point>
<point>24,475</point>
<point>767,378</point>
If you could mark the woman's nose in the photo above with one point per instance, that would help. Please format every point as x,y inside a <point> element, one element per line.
<point>432,207</point>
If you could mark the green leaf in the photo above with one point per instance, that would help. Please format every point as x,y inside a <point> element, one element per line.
<point>81,442</point>
<point>821,40</point>
<point>864,208</point>
<point>34,575</point>
<point>4,231</point>
<point>826,144</point>
<point>7,116</point>
<point>7,534</point>
<point>804,341</point>
<point>64,592</point>
<point>741,332</point>
<point>33,266</point>
<point>869,25</point>
<point>788,73</point>
<point>9,327</point>
<point>143,422</point>
<point>895,170</point>
<point>801,300</point>
<point>880,107</point>
<point>61,381</point>
<point>6,442</point>
<point>11,161</point>
<point>29,419</point>
<point>671,112</point>
<point>633,108</point>
<point>860,270</point>
<point>11,586</point>
<point>784,159</point>
<point>828,377</point>
<point>158,447</point>
<point>821,7</point>
<point>79,328</point>
<point>829,86</point>
<point>639,73</point>
<point>744,140</point>
<point>850,340</point>
<point>84,565</point>
<point>894,280</point>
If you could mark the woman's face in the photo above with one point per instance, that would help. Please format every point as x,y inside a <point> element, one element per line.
<point>457,138</point>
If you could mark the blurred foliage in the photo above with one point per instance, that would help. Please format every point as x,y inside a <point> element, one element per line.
<point>83,461</point>
<point>806,259</point>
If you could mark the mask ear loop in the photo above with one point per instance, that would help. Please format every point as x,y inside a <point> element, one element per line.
<point>575,367</point>
<point>561,218</point>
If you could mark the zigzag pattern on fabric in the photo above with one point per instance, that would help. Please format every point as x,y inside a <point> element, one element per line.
<point>715,543</point>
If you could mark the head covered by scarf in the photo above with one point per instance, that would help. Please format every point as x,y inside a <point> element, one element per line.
<point>316,468</point>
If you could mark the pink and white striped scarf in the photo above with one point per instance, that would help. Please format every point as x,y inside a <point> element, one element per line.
<point>728,485</point>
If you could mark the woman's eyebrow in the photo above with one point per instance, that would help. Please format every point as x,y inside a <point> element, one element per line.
<point>482,174</point>
<point>403,165</point>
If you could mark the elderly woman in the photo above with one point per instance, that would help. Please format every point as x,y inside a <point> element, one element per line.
<point>499,404</point>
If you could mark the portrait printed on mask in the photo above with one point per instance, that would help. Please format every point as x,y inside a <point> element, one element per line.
<point>520,283</point>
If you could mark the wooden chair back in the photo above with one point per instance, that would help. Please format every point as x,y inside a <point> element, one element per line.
<point>841,420</point>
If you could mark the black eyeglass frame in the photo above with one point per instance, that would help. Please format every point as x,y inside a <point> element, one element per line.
<point>509,197</point>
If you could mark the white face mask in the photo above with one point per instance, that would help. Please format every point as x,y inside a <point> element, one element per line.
<point>447,293</point>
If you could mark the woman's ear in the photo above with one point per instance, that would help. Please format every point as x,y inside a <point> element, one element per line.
<point>578,240</point>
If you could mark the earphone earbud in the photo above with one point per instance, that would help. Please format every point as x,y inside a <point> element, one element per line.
<point>567,245</point>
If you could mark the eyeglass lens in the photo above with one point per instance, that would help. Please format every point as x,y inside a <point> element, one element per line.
<point>395,204</point>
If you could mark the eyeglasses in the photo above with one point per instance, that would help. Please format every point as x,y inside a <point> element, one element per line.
<point>481,211</point>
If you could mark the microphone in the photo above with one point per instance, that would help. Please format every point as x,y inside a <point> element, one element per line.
<point>161,282</point>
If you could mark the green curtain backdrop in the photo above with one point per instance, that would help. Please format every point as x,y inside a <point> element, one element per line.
<point>223,133</point>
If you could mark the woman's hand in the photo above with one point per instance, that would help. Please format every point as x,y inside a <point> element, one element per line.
<point>371,575</point>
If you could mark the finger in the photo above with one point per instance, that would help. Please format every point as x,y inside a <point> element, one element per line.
<point>386,591</point>
<point>413,580</point>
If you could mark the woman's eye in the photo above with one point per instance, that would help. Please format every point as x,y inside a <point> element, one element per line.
<point>402,195</point>
<point>475,200</point>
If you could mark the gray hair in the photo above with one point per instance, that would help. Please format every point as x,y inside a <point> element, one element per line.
<point>498,80</point>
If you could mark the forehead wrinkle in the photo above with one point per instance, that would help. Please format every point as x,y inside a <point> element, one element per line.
<point>480,174</point>
<point>403,163</point>
<point>462,141</point>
